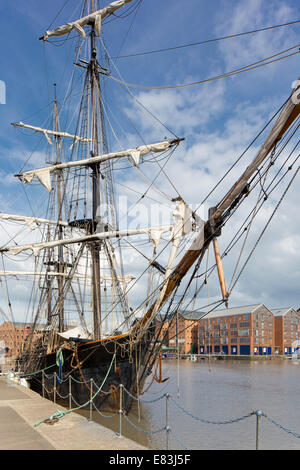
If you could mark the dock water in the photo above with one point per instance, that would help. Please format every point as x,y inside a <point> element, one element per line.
<point>21,409</point>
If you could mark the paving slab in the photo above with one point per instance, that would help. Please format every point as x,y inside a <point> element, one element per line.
<point>21,409</point>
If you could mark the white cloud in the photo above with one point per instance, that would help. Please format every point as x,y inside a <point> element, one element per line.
<point>249,15</point>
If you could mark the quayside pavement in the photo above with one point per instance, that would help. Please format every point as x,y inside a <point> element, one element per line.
<point>21,409</point>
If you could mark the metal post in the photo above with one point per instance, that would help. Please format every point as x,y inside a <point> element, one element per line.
<point>70,392</point>
<point>91,401</point>
<point>120,410</point>
<point>258,420</point>
<point>43,384</point>
<point>167,421</point>
<point>54,388</point>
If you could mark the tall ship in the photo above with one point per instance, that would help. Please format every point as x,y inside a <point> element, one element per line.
<point>85,322</point>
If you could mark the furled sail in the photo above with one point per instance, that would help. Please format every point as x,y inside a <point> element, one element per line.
<point>95,18</point>
<point>37,247</point>
<point>104,277</point>
<point>48,132</point>
<point>31,220</point>
<point>182,215</point>
<point>43,174</point>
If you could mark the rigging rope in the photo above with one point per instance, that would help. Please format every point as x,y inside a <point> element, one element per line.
<point>247,68</point>
<point>208,41</point>
<point>266,226</point>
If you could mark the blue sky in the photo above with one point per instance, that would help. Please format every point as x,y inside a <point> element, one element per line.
<point>218,120</point>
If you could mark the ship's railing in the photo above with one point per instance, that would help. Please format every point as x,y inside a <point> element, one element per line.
<point>166,428</point>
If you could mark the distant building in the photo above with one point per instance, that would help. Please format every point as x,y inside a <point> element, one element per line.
<point>180,332</point>
<point>287,330</point>
<point>161,329</point>
<point>13,335</point>
<point>247,330</point>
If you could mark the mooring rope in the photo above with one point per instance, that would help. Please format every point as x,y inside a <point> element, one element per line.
<point>60,414</point>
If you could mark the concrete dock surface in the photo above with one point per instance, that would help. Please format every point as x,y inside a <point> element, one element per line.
<point>21,409</point>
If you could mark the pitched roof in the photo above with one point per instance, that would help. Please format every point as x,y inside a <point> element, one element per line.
<point>192,314</point>
<point>222,313</point>
<point>280,312</point>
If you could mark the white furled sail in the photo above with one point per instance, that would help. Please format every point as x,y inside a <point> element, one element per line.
<point>95,18</point>
<point>37,247</point>
<point>104,277</point>
<point>31,220</point>
<point>48,132</point>
<point>182,226</point>
<point>43,174</point>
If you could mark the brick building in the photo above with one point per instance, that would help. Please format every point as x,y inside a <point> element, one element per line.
<point>287,330</point>
<point>247,330</point>
<point>162,330</point>
<point>183,332</point>
<point>13,336</point>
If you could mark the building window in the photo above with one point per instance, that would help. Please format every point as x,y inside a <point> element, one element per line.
<point>244,332</point>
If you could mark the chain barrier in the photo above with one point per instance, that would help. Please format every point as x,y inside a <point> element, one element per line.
<point>142,400</point>
<point>103,415</point>
<point>169,432</point>
<point>230,421</point>
<point>143,430</point>
<point>178,440</point>
<point>289,431</point>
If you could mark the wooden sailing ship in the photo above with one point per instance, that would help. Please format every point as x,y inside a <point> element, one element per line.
<point>83,246</point>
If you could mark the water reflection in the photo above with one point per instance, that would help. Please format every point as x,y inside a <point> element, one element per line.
<point>218,391</point>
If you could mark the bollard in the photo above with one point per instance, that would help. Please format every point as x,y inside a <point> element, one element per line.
<point>91,401</point>
<point>167,421</point>
<point>259,414</point>
<point>70,392</point>
<point>43,383</point>
<point>120,410</point>
<point>54,387</point>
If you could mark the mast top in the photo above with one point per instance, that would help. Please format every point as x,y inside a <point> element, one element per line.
<point>94,18</point>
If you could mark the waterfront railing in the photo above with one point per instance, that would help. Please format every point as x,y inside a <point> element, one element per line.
<point>166,429</point>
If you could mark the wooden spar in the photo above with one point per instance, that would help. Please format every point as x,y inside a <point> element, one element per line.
<point>220,269</point>
<point>35,247</point>
<point>289,113</point>
<point>287,116</point>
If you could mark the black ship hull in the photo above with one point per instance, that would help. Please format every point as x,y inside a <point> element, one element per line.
<point>108,363</point>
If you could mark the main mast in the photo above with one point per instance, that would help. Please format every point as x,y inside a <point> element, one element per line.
<point>95,247</point>
<point>59,217</point>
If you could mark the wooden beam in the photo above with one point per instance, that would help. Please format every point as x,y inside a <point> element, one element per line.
<point>286,118</point>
